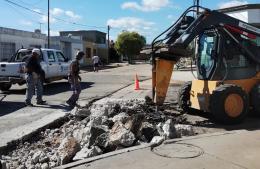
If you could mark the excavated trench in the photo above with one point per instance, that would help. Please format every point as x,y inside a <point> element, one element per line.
<point>105,126</point>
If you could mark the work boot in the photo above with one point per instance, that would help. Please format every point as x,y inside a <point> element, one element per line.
<point>70,103</point>
<point>28,104</point>
<point>41,102</point>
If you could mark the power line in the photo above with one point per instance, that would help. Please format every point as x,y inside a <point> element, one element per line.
<point>19,12</point>
<point>35,3</point>
<point>59,19</point>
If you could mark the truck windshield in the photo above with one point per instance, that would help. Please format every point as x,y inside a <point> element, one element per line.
<point>206,54</point>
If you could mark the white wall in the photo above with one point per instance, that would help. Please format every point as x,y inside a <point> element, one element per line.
<point>241,15</point>
<point>75,47</point>
<point>21,41</point>
<point>254,16</point>
<point>249,16</point>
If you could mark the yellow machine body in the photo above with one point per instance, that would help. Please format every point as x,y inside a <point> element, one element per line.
<point>200,89</point>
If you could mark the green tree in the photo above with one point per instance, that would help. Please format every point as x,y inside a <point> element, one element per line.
<point>129,44</point>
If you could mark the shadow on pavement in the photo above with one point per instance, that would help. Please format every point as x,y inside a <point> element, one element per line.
<point>51,89</point>
<point>250,123</point>
<point>60,87</point>
<point>9,107</point>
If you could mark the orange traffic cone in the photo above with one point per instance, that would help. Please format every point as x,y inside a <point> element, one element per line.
<point>137,87</point>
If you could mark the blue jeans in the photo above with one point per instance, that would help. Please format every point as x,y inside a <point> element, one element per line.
<point>76,88</point>
<point>33,84</point>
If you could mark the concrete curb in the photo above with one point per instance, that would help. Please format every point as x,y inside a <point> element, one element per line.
<point>25,133</point>
<point>107,155</point>
<point>148,145</point>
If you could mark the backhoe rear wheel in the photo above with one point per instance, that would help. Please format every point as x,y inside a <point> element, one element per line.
<point>184,97</point>
<point>229,104</point>
<point>255,98</point>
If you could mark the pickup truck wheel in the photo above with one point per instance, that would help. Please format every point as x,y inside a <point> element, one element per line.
<point>5,86</point>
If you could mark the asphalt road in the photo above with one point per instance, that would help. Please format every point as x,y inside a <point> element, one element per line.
<point>17,120</point>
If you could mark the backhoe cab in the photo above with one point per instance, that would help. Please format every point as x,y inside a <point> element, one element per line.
<point>227,54</point>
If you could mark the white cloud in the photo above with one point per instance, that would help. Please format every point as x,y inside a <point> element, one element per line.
<point>59,13</point>
<point>25,22</point>
<point>72,15</point>
<point>44,19</point>
<point>56,11</point>
<point>139,25</point>
<point>232,3</point>
<point>130,23</point>
<point>146,5</point>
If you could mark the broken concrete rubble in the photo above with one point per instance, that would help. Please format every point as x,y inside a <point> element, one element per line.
<point>68,149</point>
<point>119,135</point>
<point>95,132</point>
<point>157,140</point>
<point>122,117</point>
<point>169,130</point>
<point>106,126</point>
<point>86,152</point>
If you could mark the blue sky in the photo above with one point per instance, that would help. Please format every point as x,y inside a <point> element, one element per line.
<point>148,17</point>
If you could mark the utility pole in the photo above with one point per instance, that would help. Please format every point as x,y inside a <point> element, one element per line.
<point>48,23</point>
<point>198,3</point>
<point>40,26</point>
<point>108,43</point>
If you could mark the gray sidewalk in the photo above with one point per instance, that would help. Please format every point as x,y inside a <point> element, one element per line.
<point>228,150</point>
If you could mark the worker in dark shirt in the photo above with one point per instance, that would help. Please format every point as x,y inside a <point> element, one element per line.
<point>74,80</point>
<point>33,76</point>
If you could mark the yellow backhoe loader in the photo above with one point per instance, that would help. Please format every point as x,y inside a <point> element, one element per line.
<point>227,55</point>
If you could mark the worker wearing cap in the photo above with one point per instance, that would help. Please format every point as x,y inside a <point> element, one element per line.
<point>74,80</point>
<point>33,76</point>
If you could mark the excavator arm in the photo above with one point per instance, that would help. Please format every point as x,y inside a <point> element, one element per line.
<point>175,44</point>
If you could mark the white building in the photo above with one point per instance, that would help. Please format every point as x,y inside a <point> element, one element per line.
<point>249,13</point>
<point>67,44</point>
<point>11,40</point>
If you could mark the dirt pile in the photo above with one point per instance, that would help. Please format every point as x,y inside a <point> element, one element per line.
<point>106,126</point>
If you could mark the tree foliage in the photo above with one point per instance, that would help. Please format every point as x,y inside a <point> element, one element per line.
<point>129,44</point>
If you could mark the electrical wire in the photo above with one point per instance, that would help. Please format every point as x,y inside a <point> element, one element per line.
<point>59,19</point>
<point>20,13</point>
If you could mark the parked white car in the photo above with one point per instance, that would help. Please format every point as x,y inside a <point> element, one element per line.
<point>53,62</point>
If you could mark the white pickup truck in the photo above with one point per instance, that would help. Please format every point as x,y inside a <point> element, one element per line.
<point>53,62</point>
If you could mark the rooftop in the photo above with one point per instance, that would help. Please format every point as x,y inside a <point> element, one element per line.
<point>240,8</point>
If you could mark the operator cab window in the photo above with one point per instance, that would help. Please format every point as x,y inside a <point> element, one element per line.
<point>60,57</point>
<point>51,57</point>
<point>206,54</point>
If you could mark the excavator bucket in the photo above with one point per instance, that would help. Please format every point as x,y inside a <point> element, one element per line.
<point>161,79</point>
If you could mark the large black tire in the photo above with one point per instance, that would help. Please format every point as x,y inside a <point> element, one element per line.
<point>5,86</point>
<point>184,97</point>
<point>255,99</point>
<point>229,104</point>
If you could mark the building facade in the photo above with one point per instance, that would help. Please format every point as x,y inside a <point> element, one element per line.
<point>11,40</point>
<point>249,13</point>
<point>68,45</point>
<point>94,43</point>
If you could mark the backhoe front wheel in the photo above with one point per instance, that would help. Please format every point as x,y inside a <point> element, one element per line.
<point>255,98</point>
<point>229,104</point>
<point>184,97</point>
